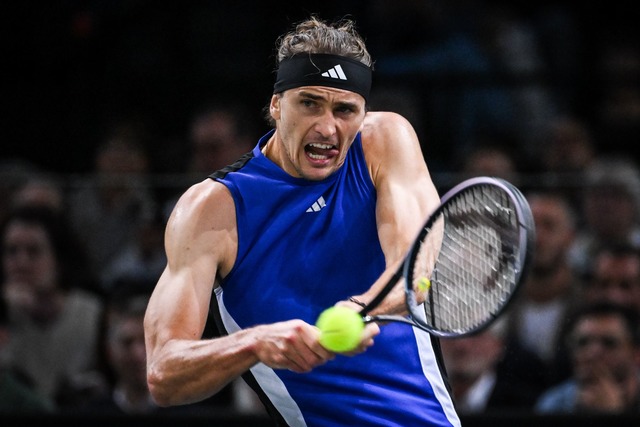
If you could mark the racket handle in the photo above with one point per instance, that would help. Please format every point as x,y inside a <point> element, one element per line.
<point>386,318</point>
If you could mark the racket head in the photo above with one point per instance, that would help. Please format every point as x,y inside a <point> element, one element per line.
<point>475,249</point>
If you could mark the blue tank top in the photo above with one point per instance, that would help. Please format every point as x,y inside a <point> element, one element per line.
<point>304,245</point>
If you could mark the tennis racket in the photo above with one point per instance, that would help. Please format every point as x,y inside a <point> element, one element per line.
<point>467,262</point>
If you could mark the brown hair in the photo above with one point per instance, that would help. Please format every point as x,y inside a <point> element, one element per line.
<point>316,36</point>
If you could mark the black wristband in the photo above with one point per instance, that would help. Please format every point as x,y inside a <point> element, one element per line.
<point>357,301</point>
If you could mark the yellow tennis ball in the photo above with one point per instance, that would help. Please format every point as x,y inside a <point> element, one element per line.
<point>424,284</point>
<point>341,329</point>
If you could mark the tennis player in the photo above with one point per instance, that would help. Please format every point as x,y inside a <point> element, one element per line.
<point>321,212</point>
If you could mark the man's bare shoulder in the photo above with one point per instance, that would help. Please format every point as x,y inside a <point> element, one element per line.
<point>204,202</point>
<point>382,117</point>
<point>380,128</point>
<point>383,122</point>
<point>203,222</point>
<point>387,136</point>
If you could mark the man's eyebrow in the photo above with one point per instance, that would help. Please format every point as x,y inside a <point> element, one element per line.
<point>310,95</point>
<point>315,97</point>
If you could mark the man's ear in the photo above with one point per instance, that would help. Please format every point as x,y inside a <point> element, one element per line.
<point>274,107</point>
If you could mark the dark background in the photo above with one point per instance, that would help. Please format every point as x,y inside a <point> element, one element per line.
<point>71,68</point>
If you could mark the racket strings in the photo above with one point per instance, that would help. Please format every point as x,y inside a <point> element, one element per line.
<point>476,264</point>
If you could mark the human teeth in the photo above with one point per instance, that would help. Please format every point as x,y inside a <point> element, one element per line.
<point>321,146</point>
<point>317,156</point>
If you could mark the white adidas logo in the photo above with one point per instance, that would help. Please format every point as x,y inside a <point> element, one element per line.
<point>335,73</point>
<point>317,205</point>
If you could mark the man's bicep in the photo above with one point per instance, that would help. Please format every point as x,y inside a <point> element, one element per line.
<point>177,308</point>
<point>400,214</point>
<point>196,241</point>
<point>406,196</point>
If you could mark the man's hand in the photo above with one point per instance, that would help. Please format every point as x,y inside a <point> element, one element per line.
<point>602,393</point>
<point>294,345</point>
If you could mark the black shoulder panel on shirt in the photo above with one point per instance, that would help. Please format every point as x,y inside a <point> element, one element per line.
<point>238,164</point>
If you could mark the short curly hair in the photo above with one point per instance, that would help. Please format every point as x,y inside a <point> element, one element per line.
<point>317,36</point>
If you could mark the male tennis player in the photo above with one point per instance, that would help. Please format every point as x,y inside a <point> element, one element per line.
<point>323,209</point>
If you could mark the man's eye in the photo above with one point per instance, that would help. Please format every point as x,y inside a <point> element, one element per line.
<point>345,109</point>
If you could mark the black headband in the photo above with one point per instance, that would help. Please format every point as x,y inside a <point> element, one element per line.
<point>323,70</point>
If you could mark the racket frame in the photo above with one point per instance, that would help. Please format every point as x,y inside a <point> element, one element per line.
<point>405,270</point>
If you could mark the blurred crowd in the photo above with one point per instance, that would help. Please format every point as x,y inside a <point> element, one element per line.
<point>79,262</point>
<point>492,88</point>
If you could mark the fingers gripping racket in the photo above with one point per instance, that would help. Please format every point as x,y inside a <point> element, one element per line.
<point>467,261</point>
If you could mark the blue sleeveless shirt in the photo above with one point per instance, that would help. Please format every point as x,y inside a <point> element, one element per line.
<point>302,246</point>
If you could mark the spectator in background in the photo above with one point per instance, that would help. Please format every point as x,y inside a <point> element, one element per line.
<point>122,347</point>
<point>16,396</point>
<point>482,380</point>
<point>493,156</point>
<point>610,209</point>
<point>542,308</point>
<point>123,364</point>
<point>142,259</point>
<point>617,60</point>
<point>13,174</point>
<point>615,276</point>
<point>107,212</point>
<point>41,189</point>
<point>54,323</point>
<point>217,137</point>
<point>605,349</point>
<point>568,150</point>
<point>568,147</point>
<point>490,161</point>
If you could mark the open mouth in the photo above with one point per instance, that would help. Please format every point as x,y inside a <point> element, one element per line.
<point>320,151</point>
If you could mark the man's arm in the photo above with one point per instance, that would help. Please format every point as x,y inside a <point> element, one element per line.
<point>406,195</point>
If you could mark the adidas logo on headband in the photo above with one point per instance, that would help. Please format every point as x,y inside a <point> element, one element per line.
<point>335,73</point>
<point>307,70</point>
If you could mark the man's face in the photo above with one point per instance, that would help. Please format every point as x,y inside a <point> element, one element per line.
<point>126,350</point>
<point>616,279</point>
<point>602,346</point>
<point>316,126</point>
<point>554,232</point>
<point>610,211</point>
<point>31,269</point>
<point>215,142</point>
<point>467,358</point>
<point>28,257</point>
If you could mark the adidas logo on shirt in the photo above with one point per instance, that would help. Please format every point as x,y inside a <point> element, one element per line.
<point>335,73</point>
<point>317,205</point>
